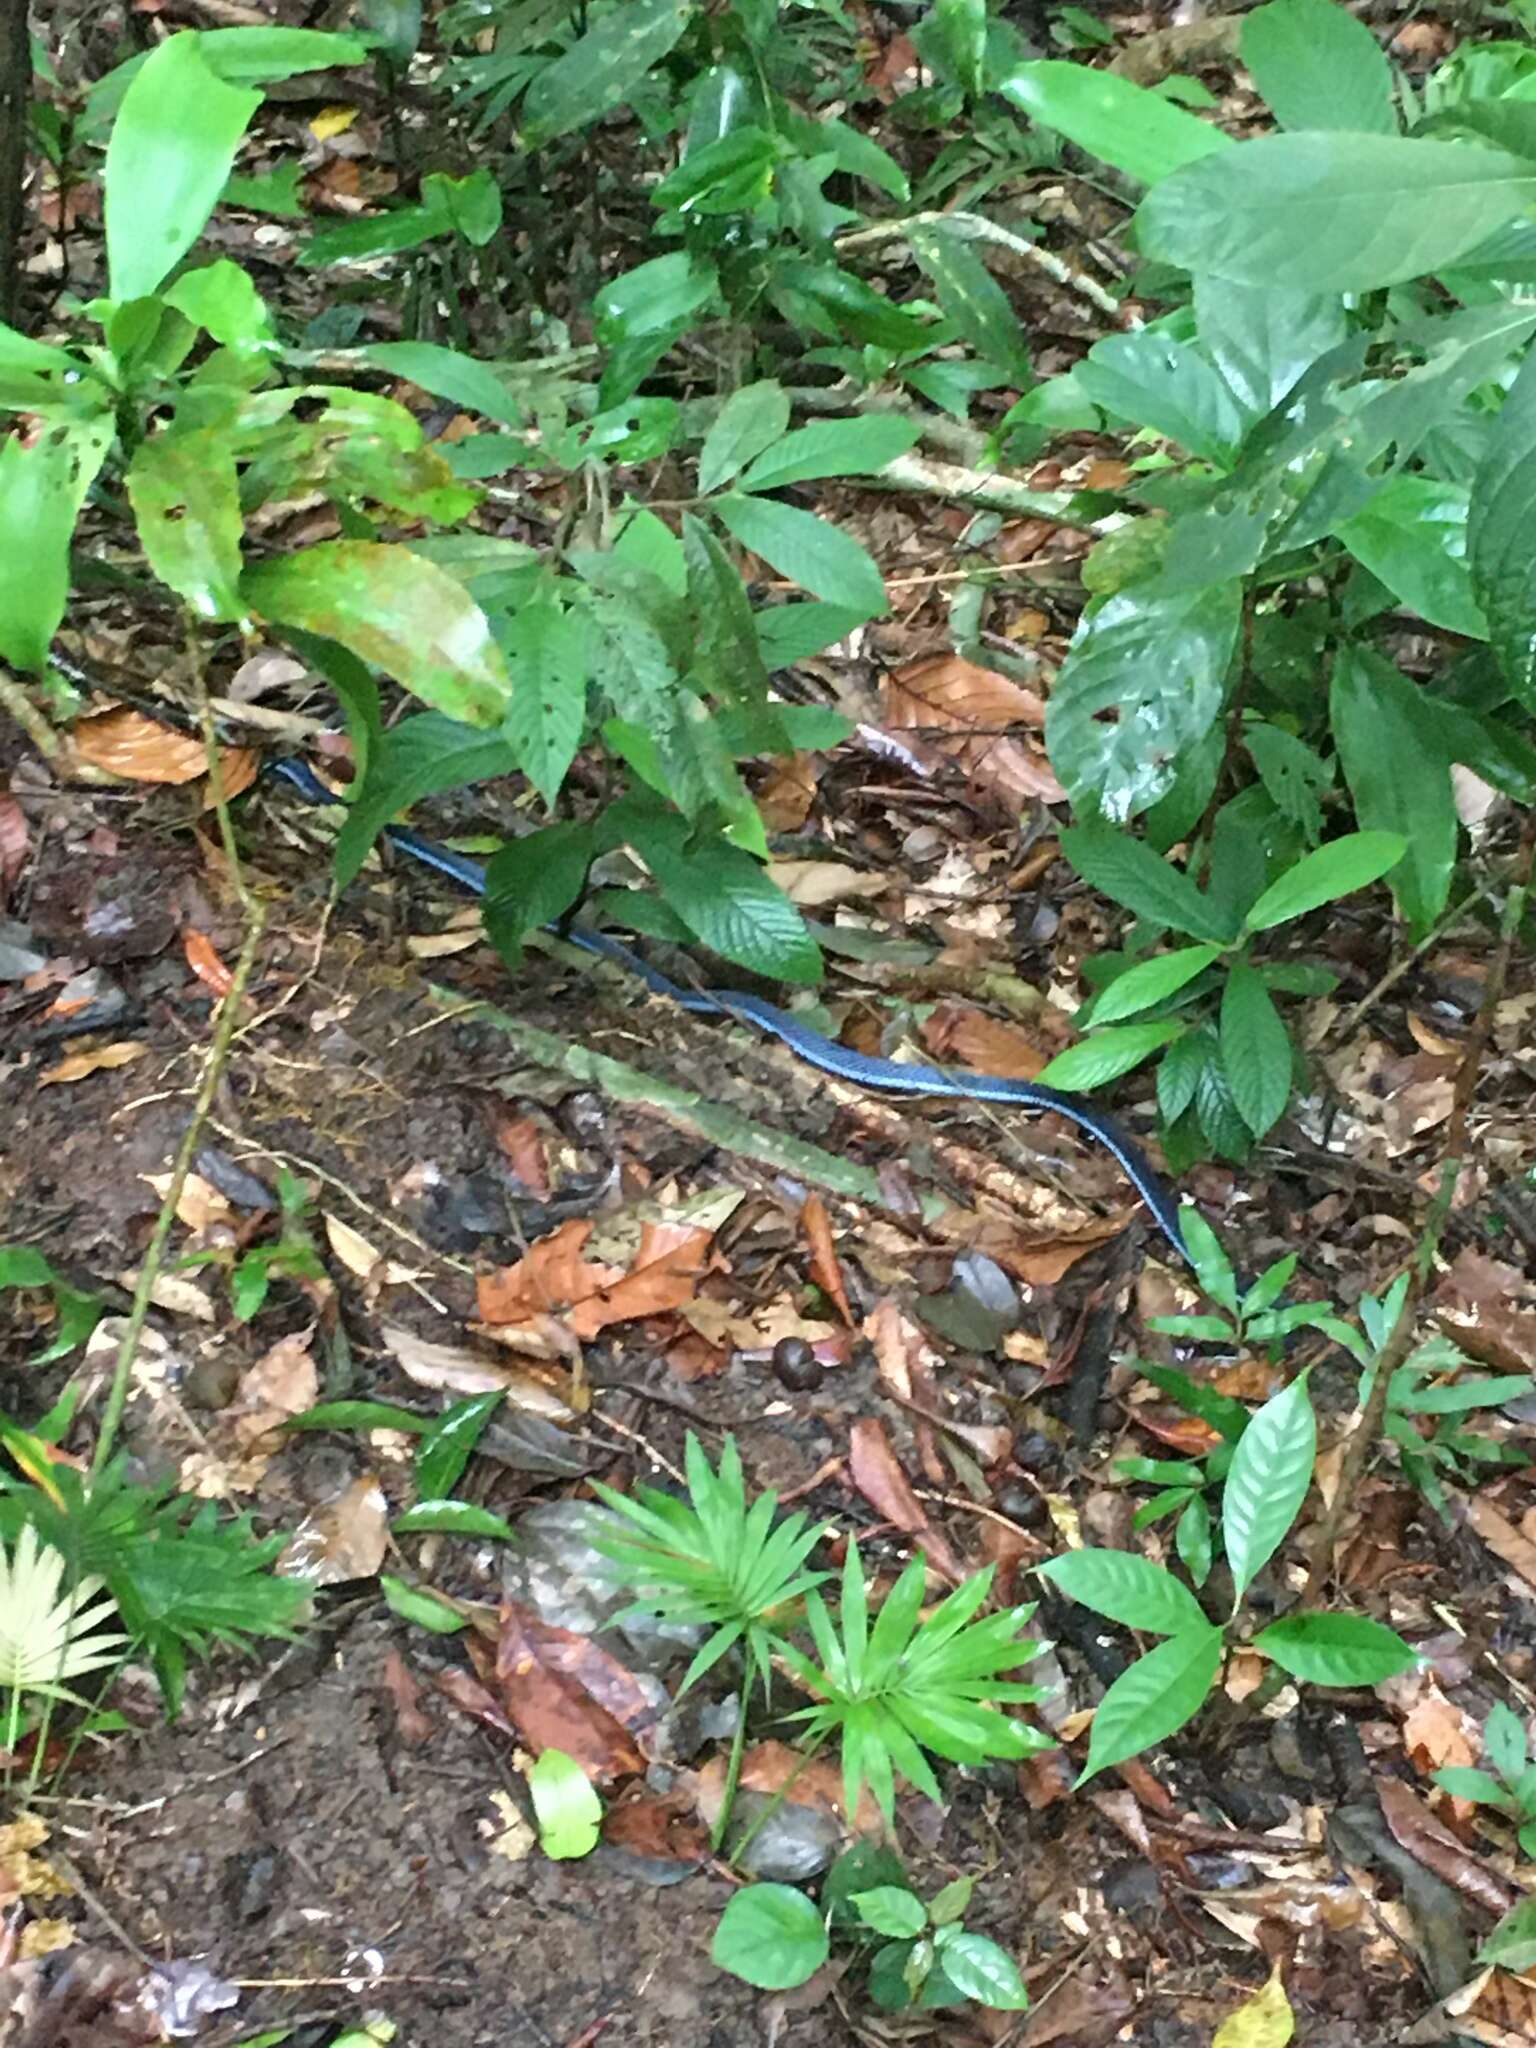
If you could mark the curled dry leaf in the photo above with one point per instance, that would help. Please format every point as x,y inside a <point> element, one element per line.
<point>562,1691</point>
<point>411,1724</point>
<point>947,694</point>
<point>204,961</point>
<point>199,1205</point>
<point>455,1370</point>
<point>553,1277</point>
<point>1425,1838</point>
<point>362,1259</point>
<point>283,1382</point>
<point>78,1066</point>
<point>770,1768</point>
<point>959,1037</point>
<point>825,1271</point>
<point>13,842</point>
<point>874,1470</point>
<point>1504,1539</point>
<point>343,1540</point>
<point>815,883</point>
<point>126,743</point>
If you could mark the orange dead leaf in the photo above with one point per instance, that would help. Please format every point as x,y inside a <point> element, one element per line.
<point>874,1470</point>
<point>817,1226</point>
<point>785,798</point>
<point>664,1276</point>
<point>205,963</point>
<point>774,1769</point>
<point>961,1037</point>
<point>411,1724</point>
<point>550,1276</point>
<point>76,1066</point>
<point>128,744</point>
<point>522,1143</point>
<point>563,1692</point>
<point>947,694</point>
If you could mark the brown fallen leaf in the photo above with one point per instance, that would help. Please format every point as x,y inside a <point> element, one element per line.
<point>563,1692</point>
<point>873,1468</point>
<point>342,1540</point>
<point>283,1382</point>
<point>128,744</point>
<point>14,841</point>
<point>1415,1828</point>
<point>657,1827</point>
<point>945,693</point>
<point>78,1066</point>
<point>454,1369</point>
<point>199,1205</point>
<point>551,1275</point>
<point>522,1142</point>
<point>205,963</point>
<point>812,884</point>
<point>664,1276</point>
<point>769,1768</point>
<point>411,1724</point>
<point>961,1037</point>
<point>825,1271</point>
<point>1503,1539</point>
<point>477,1700</point>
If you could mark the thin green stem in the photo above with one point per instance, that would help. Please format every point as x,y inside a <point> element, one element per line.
<point>733,1767</point>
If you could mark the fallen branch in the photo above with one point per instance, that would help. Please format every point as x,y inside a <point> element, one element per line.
<point>974,227</point>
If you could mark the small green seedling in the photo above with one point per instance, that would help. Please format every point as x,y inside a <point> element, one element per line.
<point>75,1313</point>
<point>1510,1786</point>
<point>568,1812</point>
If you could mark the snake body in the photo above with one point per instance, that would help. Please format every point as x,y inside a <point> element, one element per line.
<point>865,1070</point>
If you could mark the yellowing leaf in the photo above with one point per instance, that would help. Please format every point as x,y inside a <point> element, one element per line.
<point>76,1066</point>
<point>332,121</point>
<point>1266,2021</point>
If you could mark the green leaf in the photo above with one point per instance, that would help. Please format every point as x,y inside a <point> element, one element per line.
<point>374,235</point>
<point>447,373</point>
<point>1412,537</point>
<point>732,174</point>
<point>1263,341</point>
<point>1255,1049</point>
<point>860,447</point>
<point>1105,1056</point>
<point>173,145</point>
<point>265,56</point>
<point>1333,213</point>
<point>41,491</point>
<point>1144,679</point>
<point>1151,981</point>
<point>549,661</point>
<point>1127,869</point>
<point>860,1868</point>
<point>359,1415</point>
<point>1468,1784</point>
<point>221,298</point>
<point>1512,1943</point>
<point>1335,1649</point>
<point>1500,521</point>
<point>970,295</point>
<point>791,633</point>
<point>21,1265</point>
<point>733,906</point>
<point>979,1969</point>
<point>1167,385</point>
<point>949,1903</point>
<point>891,1909</point>
<point>565,1806</point>
<point>397,610</point>
<point>601,68</point>
<point>751,420</point>
<point>186,506</point>
<point>1154,1698</point>
<point>1504,1738</point>
<point>770,1935</point>
<point>1267,1481</point>
<point>1128,1588</point>
<point>1337,869</point>
<point>726,657</point>
<point>414,1603</point>
<point>471,205</point>
<point>1295,776</point>
<point>533,880</point>
<point>1391,752</point>
<point>1124,124</point>
<point>1193,1540</point>
<point>809,551</point>
<point>1318,67</point>
<point>452,1518</point>
<point>445,1450</point>
<point>416,758</point>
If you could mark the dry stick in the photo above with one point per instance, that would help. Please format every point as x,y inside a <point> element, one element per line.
<point>1367,1430</point>
<point>14,698</point>
<point>974,227</point>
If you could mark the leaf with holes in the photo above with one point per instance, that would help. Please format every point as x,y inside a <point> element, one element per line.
<point>186,505</point>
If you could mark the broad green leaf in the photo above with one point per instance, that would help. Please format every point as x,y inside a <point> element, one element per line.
<point>1512,1943</point>
<point>447,373</point>
<point>949,1903</point>
<point>1295,775</point>
<point>1126,1587</point>
<point>732,905</point>
<point>397,24</point>
<point>1500,522</point>
<point>397,610</point>
<point>953,37</point>
<point>1213,1269</point>
<point>1412,537</point>
<point>891,1909</point>
<point>726,657</point>
<point>1462,350</point>
<point>275,191</point>
<point>452,1518</point>
<point>1154,1698</point>
<point>979,1969</point>
<point>601,68</point>
<point>860,447</point>
<point>42,488</point>
<point>20,355</point>
<point>751,420</point>
<point>733,174</point>
<point>1150,981</point>
<point>416,758</point>
<point>970,295</point>
<point>359,1415</point>
<point>22,1265</point>
<point>186,506</point>
<point>1318,67</point>
<point>770,1935</point>
<point>1144,679</point>
<point>809,551</point>
<point>173,145</point>
<point>1179,1070</point>
<point>1262,341</point>
<point>534,880</point>
<point>1267,1481</point>
<point>1505,1740</point>
<point>265,56</point>
<point>1167,385</point>
<point>567,1809</point>
<point>1399,775</point>
<point>1106,1055</point>
<point>445,1450</point>
<point>1480,1786</point>
<point>1263,2021</point>
<point>1137,131</point>
<point>1331,212</point>
<point>374,235</point>
<point>471,205</point>
<point>1255,1049</point>
<point>414,1603</point>
<point>548,658</point>
<point>1128,870</point>
<point>1335,1649</point>
<point>790,633</point>
<point>1337,869</point>
<point>221,298</point>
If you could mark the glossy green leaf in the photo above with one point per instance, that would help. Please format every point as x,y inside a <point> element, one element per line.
<point>1506,1742</point>
<point>42,488</point>
<point>751,420</point>
<point>1512,1943</point>
<point>416,758</point>
<point>470,205</point>
<point>1128,1588</point>
<point>1267,1481</point>
<point>979,1969</point>
<point>360,1415</point>
<point>1255,1049</point>
<point>770,1935</point>
<point>733,174</point>
<point>1394,760</point>
<point>732,905</point>
<point>221,298</point>
<point>1127,869</point>
<point>1262,341</point>
<point>726,657</point>
<point>970,295</point>
<point>534,880</point>
<point>549,661</point>
<point>452,1518</point>
<point>860,447</point>
<point>1500,522</point>
<point>601,68</point>
<point>173,145</point>
<point>1155,381</point>
<point>892,1910</point>
<point>186,506</point>
<point>1154,1698</point>
<point>565,1806</point>
<point>396,610</point>
<point>1337,869</point>
<point>1151,981</point>
<point>1332,212</point>
<point>1105,1056</point>
<point>447,373</point>
<point>809,551</point>
<point>1144,679</point>
<point>1412,537</point>
<point>372,236</point>
<point>1335,1649</point>
<point>1136,130</point>
<point>1317,67</point>
<point>265,56</point>
<point>447,1446</point>
<point>414,1603</point>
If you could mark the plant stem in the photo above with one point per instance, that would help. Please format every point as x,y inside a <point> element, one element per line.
<point>732,1770</point>
<point>15,87</point>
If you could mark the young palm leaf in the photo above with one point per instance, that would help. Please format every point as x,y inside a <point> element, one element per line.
<point>46,1634</point>
<point>711,1561</point>
<point>910,1685</point>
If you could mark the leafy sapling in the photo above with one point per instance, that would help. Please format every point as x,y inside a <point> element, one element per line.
<point>1510,1785</point>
